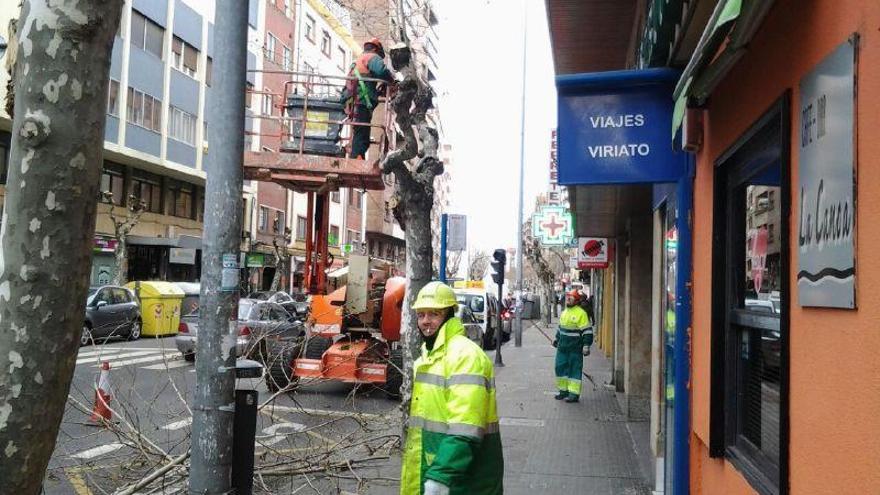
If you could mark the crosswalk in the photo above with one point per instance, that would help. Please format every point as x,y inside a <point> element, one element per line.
<point>148,358</point>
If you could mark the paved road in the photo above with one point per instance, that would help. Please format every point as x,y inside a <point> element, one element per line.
<point>152,387</point>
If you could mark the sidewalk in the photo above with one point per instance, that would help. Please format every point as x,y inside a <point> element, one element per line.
<point>551,447</point>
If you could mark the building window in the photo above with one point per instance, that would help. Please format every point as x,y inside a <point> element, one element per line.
<point>144,110</point>
<point>287,10</point>
<point>325,43</point>
<point>300,228</point>
<point>333,238</point>
<point>310,28</point>
<point>263,220</point>
<point>182,126</point>
<point>146,34</point>
<point>749,402</point>
<point>278,225</point>
<point>147,187</point>
<point>271,43</point>
<point>334,196</point>
<point>180,199</point>
<point>209,71</point>
<point>388,213</point>
<point>267,102</point>
<point>354,198</point>
<point>185,57</point>
<point>340,55</point>
<point>286,58</point>
<point>113,182</point>
<point>113,98</point>
<point>354,237</point>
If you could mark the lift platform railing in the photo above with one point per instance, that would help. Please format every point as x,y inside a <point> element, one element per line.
<point>315,120</point>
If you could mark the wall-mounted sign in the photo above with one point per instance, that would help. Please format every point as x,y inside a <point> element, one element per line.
<point>826,174</point>
<point>104,245</point>
<point>592,252</point>
<point>614,128</point>
<point>255,260</point>
<point>553,226</point>
<point>182,256</point>
<point>456,232</point>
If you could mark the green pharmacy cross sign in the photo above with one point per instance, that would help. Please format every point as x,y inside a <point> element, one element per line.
<point>553,226</point>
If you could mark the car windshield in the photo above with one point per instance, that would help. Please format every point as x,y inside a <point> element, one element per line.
<point>472,301</point>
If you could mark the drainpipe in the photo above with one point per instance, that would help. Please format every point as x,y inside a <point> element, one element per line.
<point>682,345</point>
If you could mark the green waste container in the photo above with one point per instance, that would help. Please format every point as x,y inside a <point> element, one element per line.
<point>160,306</point>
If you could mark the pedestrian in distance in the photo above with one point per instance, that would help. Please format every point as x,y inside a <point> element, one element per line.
<point>573,340</point>
<point>453,445</point>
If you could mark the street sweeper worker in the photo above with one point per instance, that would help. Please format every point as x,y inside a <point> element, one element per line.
<point>573,340</point>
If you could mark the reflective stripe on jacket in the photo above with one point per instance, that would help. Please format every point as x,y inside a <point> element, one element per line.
<point>575,329</point>
<point>452,434</point>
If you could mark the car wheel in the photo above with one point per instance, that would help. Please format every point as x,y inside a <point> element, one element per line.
<point>280,370</point>
<point>85,337</point>
<point>189,356</point>
<point>135,332</point>
<point>394,374</point>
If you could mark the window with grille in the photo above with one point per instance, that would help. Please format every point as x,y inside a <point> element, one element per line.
<point>750,332</point>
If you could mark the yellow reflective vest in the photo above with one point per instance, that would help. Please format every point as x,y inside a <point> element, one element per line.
<point>452,434</point>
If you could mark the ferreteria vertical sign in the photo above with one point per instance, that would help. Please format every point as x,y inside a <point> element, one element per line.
<point>827,189</point>
<point>613,128</point>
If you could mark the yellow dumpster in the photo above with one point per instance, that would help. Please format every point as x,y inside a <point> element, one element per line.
<point>160,306</point>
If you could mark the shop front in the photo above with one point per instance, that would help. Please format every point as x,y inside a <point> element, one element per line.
<point>171,259</point>
<point>630,190</point>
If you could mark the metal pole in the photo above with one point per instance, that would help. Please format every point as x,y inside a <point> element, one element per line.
<point>444,218</point>
<point>213,402</point>
<point>498,361</point>
<point>517,322</point>
<point>243,434</point>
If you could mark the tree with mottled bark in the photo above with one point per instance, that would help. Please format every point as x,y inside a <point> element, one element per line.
<point>123,223</point>
<point>62,69</point>
<point>282,259</point>
<point>479,262</point>
<point>414,164</point>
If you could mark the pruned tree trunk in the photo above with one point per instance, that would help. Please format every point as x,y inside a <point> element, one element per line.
<point>54,170</point>
<point>120,252</point>
<point>414,198</point>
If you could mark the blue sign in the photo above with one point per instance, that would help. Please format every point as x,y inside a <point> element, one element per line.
<point>613,128</point>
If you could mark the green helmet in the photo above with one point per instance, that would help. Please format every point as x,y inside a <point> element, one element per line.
<point>435,295</point>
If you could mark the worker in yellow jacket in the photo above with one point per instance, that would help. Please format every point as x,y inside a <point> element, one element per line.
<point>573,340</point>
<point>453,445</point>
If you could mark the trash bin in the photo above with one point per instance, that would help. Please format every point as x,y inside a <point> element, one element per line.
<point>190,302</point>
<point>160,306</point>
<point>320,134</point>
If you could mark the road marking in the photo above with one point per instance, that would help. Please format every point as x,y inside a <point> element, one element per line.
<point>99,450</point>
<point>276,437</point>
<point>127,362</point>
<point>171,365</point>
<point>178,424</point>
<point>77,481</point>
<point>107,357</point>
<point>307,432</point>
<point>109,350</point>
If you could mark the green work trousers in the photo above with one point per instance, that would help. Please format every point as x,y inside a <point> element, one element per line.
<point>569,364</point>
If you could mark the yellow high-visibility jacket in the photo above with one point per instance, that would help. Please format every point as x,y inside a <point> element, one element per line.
<point>452,434</point>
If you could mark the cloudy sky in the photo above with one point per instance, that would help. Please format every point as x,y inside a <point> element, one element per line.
<point>482,73</point>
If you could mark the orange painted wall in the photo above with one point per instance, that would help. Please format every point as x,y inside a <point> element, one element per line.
<point>835,354</point>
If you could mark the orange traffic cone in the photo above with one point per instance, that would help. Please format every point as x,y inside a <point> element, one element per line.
<point>101,411</point>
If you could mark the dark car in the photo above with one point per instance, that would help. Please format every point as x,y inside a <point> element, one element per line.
<point>111,311</point>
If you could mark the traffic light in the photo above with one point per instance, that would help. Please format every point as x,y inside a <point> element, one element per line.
<point>500,258</point>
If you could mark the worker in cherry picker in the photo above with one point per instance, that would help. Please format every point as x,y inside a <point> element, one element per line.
<point>362,96</point>
<point>573,340</point>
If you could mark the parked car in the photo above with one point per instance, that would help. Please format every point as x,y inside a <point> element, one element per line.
<point>265,329</point>
<point>295,304</point>
<point>111,311</point>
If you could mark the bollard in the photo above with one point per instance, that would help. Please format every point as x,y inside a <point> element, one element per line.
<point>244,427</point>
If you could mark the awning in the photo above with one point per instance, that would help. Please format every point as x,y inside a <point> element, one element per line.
<point>707,66</point>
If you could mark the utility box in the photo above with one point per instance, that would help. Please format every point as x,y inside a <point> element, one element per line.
<point>160,306</point>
